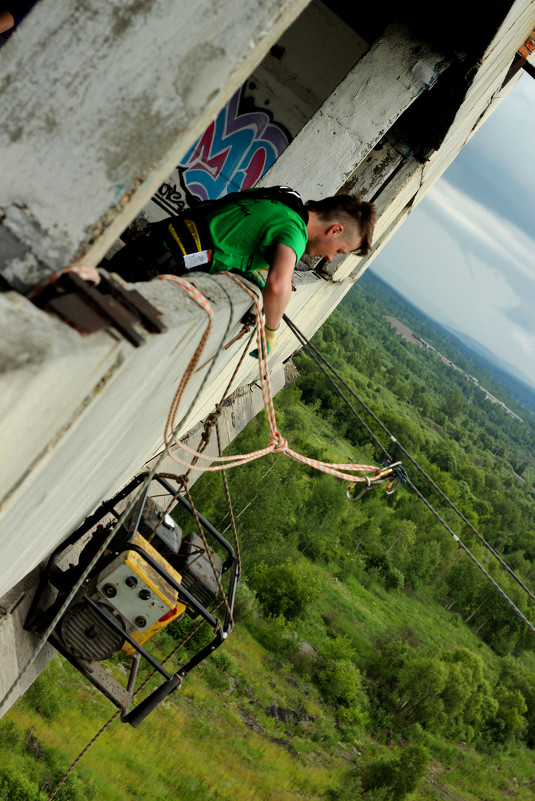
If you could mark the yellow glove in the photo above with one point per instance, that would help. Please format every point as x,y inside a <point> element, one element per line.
<point>271,338</point>
<point>271,341</point>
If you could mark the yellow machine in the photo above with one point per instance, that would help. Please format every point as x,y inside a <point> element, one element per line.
<point>148,576</point>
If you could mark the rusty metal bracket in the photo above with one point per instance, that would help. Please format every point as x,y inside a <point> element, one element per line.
<point>90,309</point>
<point>133,300</point>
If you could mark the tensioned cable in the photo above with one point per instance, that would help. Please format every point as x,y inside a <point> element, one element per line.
<point>115,715</point>
<point>314,351</point>
<point>472,557</point>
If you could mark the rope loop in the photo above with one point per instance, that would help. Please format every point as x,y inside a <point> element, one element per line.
<point>277,443</point>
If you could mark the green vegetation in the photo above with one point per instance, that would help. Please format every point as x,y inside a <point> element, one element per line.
<point>371,658</point>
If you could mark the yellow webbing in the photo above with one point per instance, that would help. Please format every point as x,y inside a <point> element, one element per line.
<point>176,238</point>
<point>195,234</point>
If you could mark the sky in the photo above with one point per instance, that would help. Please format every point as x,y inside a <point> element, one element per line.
<point>466,254</point>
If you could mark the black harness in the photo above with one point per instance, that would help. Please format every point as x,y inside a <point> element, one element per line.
<point>182,243</point>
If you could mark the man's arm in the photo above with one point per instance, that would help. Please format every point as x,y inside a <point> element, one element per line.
<point>278,285</point>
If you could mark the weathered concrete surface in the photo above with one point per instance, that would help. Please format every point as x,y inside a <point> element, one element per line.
<point>366,180</point>
<point>311,59</point>
<point>86,86</point>
<point>17,645</point>
<point>81,414</point>
<point>385,81</point>
<point>485,92</point>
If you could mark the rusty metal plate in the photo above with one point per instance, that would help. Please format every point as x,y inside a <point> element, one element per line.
<point>91,308</point>
<point>78,313</point>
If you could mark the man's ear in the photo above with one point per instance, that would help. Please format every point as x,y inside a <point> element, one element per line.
<point>335,229</point>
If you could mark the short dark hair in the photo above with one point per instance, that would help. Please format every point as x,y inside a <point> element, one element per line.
<point>352,212</point>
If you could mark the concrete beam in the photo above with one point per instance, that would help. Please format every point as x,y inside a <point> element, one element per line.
<point>485,92</point>
<point>81,414</point>
<point>100,100</point>
<point>17,645</point>
<point>386,80</point>
<point>367,179</point>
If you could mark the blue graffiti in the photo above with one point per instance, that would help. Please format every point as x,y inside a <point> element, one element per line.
<point>234,151</point>
<point>232,154</point>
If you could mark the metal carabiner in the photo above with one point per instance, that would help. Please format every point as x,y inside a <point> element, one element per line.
<point>391,486</point>
<point>361,493</point>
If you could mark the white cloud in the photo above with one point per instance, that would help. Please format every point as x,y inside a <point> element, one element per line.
<point>441,269</point>
<point>467,265</point>
<point>506,140</point>
<point>526,344</point>
<point>485,228</point>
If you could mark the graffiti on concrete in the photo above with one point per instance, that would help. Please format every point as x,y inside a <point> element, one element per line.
<point>232,154</point>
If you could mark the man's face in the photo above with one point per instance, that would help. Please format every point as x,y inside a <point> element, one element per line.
<point>331,242</point>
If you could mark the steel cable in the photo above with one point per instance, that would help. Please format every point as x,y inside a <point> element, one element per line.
<point>313,352</point>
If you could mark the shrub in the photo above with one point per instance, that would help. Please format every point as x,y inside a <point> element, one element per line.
<point>245,602</point>
<point>339,682</point>
<point>73,790</point>
<point>15,786</point>
<point>285,589</point>
<point>397,777</point>
<point>180,630</point>
<point>508,722</point>
<point>11,737</point>
<point>390,779</point>
<point>395,579</point>
<point>275,635</point>
<point>44,696</point>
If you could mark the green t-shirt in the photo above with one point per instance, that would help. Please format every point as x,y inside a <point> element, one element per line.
<point>245,233</point>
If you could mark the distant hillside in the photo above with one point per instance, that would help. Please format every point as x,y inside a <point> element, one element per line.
<point>510,373</point>
<point>479,357</point>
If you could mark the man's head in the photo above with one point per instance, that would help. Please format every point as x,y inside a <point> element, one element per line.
<point>339,224</point>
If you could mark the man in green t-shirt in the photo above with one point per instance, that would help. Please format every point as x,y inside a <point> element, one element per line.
<point>260,234</point>
<point>255,234</point>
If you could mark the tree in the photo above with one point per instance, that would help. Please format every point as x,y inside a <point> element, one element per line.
<point>516,676</point>
<point>421,683</point>
<point>508,722</point>
<point>453,404</point>
<point>15,786</point>
<point>285,589</point>
<point>467,696</point>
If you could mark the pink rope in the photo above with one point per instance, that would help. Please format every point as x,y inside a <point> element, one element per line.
<point>85,272</point>
<point>277,443</point>
<point>202,301</point>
